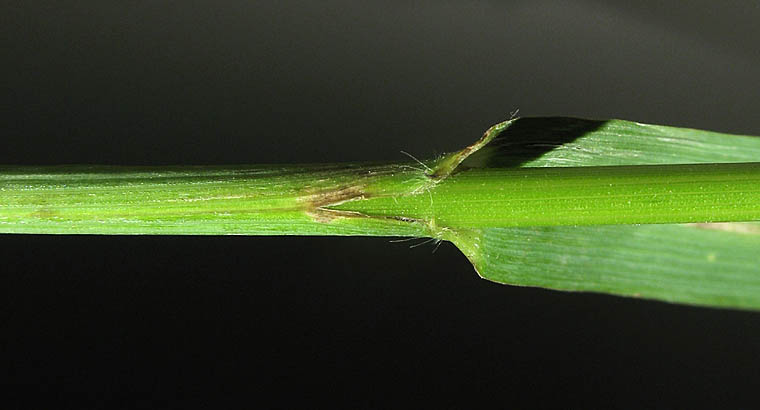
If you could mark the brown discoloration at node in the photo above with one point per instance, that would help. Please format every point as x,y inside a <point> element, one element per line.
<point>44,213</point>
<point>326,215</point>
<point>336,196</point>
<point>318,202</point>
<point>450,164</point>
<point>315,203</point>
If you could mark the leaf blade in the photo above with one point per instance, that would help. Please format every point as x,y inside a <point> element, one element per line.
<point>690,264</point>
<point>648,261</point>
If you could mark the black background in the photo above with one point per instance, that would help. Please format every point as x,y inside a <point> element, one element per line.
<point>186,321</point>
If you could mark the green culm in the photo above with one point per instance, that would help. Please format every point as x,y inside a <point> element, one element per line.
<point>605,206</point>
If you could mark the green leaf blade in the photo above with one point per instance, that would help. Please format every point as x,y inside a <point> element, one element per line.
<point>674,263</point>
<point>574,142</point>
<point>714,265</point>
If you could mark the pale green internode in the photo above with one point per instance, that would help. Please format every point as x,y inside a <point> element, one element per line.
<point>607,206</point>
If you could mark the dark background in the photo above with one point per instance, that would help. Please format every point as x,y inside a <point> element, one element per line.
<point>184,321</point>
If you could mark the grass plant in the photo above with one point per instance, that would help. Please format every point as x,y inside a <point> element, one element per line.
<point>562,203</point>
